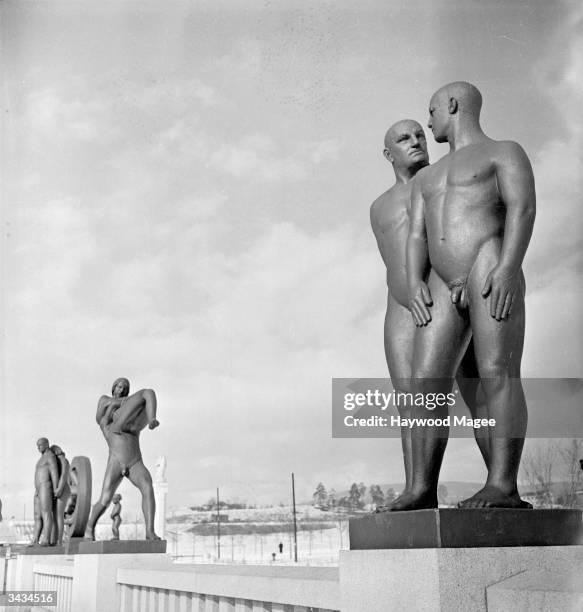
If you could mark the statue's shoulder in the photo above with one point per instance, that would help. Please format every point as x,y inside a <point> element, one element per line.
<point>506,150</point>
<point>382,200</point>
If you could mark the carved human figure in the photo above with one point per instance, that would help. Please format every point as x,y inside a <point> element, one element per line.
<point>116,516</point>
<point>121,418</point>
<point>61,495</point>
<point>46,480</point>
<point>160,475</point>
<point>406,150</point>
<point>472,214</point>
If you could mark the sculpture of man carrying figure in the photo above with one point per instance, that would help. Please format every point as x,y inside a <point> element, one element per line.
<point>472,215</point>
<point>121,418</point>
<point>46,480</point>
<point>406,150</point>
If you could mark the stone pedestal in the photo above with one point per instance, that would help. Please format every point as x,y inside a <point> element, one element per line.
<point>121,547</point>
<point>94,578</point>
<point>445,579</point>
<point>160,494</point>
<point>72,546</point>
<point>460,528</point>
<point>37,551</point>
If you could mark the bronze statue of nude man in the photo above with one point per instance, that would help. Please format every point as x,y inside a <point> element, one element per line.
<point>46,480</point>
<point>406,149</point>
<point>472,215</point>
<point>121,418</point>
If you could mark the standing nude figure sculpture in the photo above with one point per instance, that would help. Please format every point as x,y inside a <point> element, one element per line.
<point>46,480</point>
<point>62,494</point>
<point>116,516</point>
<point>472,214</point>
<point>406,150</point>
<point>121,418</point>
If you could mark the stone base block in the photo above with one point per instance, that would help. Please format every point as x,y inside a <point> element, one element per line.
<point>121,547</point>
<point>72,546</point>
<point>460,528</point>
<point>538,590</point>
<point>23,549</point>
<point>441,579</point>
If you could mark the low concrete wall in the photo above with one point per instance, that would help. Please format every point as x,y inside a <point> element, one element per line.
<point>446,579</point>
<point>230,587</point>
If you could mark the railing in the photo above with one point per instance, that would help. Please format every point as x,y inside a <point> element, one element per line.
<point>218,588</point>
<point>58,578</point>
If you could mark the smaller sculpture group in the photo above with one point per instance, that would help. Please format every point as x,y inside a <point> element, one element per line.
<point>52,494</point>
<point>62,496</point>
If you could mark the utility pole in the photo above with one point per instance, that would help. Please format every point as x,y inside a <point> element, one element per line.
<point>218,527</point>
<point>295,522</point>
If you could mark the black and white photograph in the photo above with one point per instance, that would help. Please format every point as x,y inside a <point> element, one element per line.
<point>291,305</point>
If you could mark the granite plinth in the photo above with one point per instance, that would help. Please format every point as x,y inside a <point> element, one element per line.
<point>466,528</point>
<point>23,549</point>
<point>455,579</point>
<point>121,547</point>
<point>72,546</point>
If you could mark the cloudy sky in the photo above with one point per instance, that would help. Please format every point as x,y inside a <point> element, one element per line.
<point>185,201</point>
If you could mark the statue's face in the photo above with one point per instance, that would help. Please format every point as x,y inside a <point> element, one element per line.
<point>439,116</point>
<point>407,145</point>
<point>42,445</point>
<point>121,389</point>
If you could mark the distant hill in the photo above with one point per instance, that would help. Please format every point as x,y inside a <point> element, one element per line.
<point>456,490</point>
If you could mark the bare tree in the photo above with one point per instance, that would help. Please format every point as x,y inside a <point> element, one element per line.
<point>537,470</point>
<point>571,454</point>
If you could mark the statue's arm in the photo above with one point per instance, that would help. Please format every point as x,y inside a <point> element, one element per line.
<point>376,228</point>
<point>64,479</point>
<point>101,408</point>
<point>53,471</point>
<point>516,188</point>
<point>418,259</point>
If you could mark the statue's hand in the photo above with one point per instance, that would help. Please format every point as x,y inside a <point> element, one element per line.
<point>501,285</point>
<point>419,300</point>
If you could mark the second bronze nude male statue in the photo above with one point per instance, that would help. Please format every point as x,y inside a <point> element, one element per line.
<point>471,218</point>
<point>121,418</point>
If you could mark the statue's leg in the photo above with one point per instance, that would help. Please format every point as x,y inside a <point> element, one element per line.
<point>59,523</point>
<point>115,528</point>
<point>141,478</point>
<point>38,523</point>
<point>45,498</point>
<point>468,381</point>
<point>498,347</point>
<point>399,334</point>
<point>111,481</point>
<point>136,412</point>
<point>438,349</point>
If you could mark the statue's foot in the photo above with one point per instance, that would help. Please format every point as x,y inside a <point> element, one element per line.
<point>493,497</point>
<point>411,500</point>
<point>153,424</point>
<point>114,539</point>
<point>90,534</point>
<point>44,543</point>
<point>150,535</point>
<point>389,507</point>
<point>33,543</point>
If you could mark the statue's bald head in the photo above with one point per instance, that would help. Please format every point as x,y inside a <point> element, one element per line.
<point>405,146</point>
<point>42,444</point>
<point>466,95</point>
